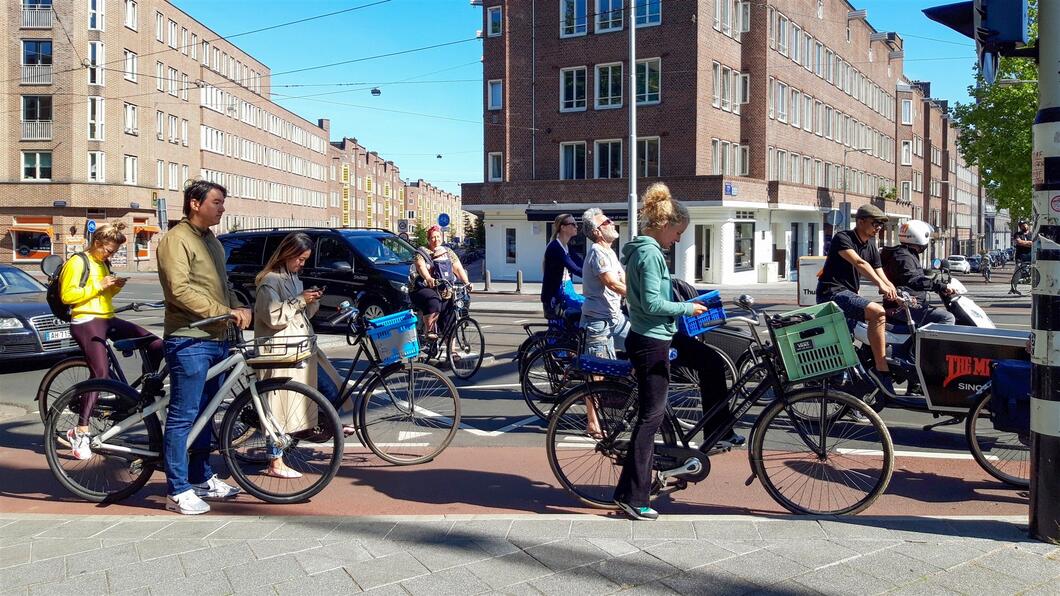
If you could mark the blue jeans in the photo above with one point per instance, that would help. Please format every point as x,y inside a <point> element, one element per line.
<point>189,359</point>
<point>600,335</point>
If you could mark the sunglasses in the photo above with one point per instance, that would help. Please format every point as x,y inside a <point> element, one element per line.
<point>568,223</point>
<point>878,224</point>
<point>606,222</point>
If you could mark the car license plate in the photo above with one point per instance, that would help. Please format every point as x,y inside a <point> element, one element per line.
<point>56,335</point>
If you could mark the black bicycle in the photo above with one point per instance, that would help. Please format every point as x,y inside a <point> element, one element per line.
<point>460,341</point>
<point>816,450</point>
<point>1021,276</point>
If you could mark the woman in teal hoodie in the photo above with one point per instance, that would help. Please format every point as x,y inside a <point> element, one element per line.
<point>652,315</point>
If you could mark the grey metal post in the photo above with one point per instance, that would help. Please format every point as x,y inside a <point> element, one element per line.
<point>487,280</point>
<point>1045,316</point>
<point>632,94</point>
<point>519,281</point>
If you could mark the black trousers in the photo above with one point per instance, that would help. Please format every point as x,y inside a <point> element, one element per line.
<point>651,364</point>
<point>710,367</point>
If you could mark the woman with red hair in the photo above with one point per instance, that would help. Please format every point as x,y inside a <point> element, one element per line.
<point>434,263</point>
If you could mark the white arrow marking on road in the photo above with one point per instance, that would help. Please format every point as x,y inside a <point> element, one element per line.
<point>924,454</point>
<point>406,435</point>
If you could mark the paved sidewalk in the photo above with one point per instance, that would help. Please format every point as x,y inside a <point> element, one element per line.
<point>535,554</point>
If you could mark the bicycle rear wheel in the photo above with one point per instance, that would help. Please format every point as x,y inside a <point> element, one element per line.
<point>465,349</point>
<point>548,374</point>
<point>1004,455</point>
<point>115,470</point>
<point>64,375</point>
<point>588,466</point>
<point>409,413</point>
<point>313,450</point>
<point>823,464</point>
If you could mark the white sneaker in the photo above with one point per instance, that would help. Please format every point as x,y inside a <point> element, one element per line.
<point>187,503</point>
<point>80,444</point>
<point>214,488</point>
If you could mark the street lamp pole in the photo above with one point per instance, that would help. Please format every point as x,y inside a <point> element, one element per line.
<point>844,206</point>
<point>632,98</point>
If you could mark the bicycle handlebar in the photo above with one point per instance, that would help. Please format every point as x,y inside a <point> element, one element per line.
<point>139,306</point>
<point>212,320</point>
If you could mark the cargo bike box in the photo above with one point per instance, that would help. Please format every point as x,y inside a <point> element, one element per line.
<point>955,361</point>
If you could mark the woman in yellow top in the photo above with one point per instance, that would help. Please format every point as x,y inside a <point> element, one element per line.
<point>93,321</point>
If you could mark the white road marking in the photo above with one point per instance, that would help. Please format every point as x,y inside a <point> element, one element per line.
<point>495,386</point>
<point>923,454</point>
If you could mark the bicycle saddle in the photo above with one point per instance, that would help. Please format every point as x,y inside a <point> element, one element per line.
<point>135,343</point>
<point>605,366</point>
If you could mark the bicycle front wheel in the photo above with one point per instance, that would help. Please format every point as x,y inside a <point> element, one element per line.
<point>1004,455</point>
<point>311,449</point>
<point>64,375</point>
<point>822,464</point>
<point>117,467</point>
<point>548,374</point>
<point>409,413</point>
<point>466,348</point>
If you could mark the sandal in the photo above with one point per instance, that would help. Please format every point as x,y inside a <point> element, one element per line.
<point>348,430</point>
<point>595,435</point>
<point>286,473</point>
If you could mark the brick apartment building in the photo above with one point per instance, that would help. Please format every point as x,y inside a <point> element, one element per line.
<point>161,99</point>
<point>757,115</point>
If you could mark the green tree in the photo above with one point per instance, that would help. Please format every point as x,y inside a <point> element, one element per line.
<point>420,238</point>
<point>996,129</point>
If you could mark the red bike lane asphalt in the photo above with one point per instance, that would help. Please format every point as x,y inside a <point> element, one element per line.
<point>516,480</point>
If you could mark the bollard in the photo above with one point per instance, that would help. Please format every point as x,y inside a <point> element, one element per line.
<point>487,278</point>
<point>519,281</point>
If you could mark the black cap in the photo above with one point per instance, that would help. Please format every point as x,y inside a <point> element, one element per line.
<point>868,211</point>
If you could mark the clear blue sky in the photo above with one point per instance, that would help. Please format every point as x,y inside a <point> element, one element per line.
<point>431,101</point>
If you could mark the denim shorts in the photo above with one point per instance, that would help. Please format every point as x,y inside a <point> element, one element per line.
<point>600,335</point>
<point>852,304</point>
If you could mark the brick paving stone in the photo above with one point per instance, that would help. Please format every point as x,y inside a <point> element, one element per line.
<point>972,578</point>
<point>307,529</point>
<point>941,555</point>
<point>615,548</point>
<point>145,574</point>
<point>14,555</point>
<point>843,579</point>
<point>152,549</point>
<point>813,554</point>
<point>726,529</point>
<point>388,590</point>
<point>787,588</point>
<point>892,565</point>
<point>387,570</point>
<point>565,554</point>
<point>923,588</point>
<point>189,529</point>
<point>101,559</point>
<point>855,528</point>
<point>383,548</point>
<point>208,584</point>
<point>253,574</point>
<point>90,583</point>
<point>453,582</point>
<point>49,548</point>
<point>216,558</point>
<point>919,529</point>
<point>25,528</point>
<point>78,528</point>
<point>20,576</point>
<point>134,530</point>
<point>762,567</point>
<point>524,589</point>
<point>417,531</point>
<point>480,529</point>
<point>621,529</point>
<point>1049,588</point>
<point>866,546</point>
<point>527,533</point>
<point>635,569</point>
<point>741,547</point>
<point>1023,565</point>
<point>443,555</point>
<point>359,530</point>
<point>245,530</point>
<point>332,556</point>
<point>664,530</point>
<point>336,581</point>
<point>656,588</point>
<point>790,529</point>
<point>264,549</point>
<point>511,569</point>
<point>583,581</point>
<point>687,555</point>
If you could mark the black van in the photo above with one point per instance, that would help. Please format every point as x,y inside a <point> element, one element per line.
<point>346,261</point>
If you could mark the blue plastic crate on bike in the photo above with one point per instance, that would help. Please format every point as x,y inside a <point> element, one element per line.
<point>715,315</point>
<point>1010,408</point>
<point>394,337</point>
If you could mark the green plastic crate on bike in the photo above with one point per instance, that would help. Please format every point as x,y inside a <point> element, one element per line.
<point>818,347</point>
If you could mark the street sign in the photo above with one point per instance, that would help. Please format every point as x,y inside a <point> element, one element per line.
<point>443,220</point>
<point>403,226</point>
<point>91,227</point>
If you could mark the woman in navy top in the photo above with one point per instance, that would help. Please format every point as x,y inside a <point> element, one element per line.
<point>557,290</point>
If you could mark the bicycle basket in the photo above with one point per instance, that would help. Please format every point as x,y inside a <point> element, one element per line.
<point>715,315</point>
<point>815,347</point>
<point>1010,406</point>
<point>394,337</point>
<point>281,351</point>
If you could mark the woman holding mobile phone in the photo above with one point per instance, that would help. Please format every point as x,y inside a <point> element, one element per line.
<point>92,318</point>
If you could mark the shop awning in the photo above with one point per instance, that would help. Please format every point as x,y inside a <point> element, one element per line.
<point>146,229</point>
<point>38,228</point>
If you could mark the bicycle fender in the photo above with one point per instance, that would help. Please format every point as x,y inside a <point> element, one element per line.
<point>113,392</point>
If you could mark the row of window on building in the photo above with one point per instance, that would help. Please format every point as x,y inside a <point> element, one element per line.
<point>574,16</point>
<point>247,187</point>
<point>228,104</point>
<point>607,160</point>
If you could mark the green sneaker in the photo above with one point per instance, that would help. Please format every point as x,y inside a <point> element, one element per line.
<point>638,513</point>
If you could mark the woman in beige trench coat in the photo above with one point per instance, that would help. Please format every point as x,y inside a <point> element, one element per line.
<point>283,308</point>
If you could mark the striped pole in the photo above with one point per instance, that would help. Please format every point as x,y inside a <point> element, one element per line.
<point>1045,314</point>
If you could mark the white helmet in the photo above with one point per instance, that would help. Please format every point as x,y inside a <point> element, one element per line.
<point>915,232</point>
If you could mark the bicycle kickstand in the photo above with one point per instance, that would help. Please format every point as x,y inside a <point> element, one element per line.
<point>947,422</point>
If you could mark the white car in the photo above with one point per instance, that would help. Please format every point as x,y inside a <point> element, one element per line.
<point>958,264</point>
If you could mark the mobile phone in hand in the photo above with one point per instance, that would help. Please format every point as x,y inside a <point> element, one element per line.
<point>318,289</point>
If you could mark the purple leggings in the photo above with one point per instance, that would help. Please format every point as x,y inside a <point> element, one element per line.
<point>92,337</point>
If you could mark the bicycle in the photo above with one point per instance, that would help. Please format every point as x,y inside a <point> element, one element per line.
<point>1003,454</point>
<point>985,268</point>
<point>407,412</point>
<point>1021,276</point>
<point>460,340</point>
<point>126,436</point>
<point>838,446</point>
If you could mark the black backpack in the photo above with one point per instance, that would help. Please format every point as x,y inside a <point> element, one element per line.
<point>54,295</point>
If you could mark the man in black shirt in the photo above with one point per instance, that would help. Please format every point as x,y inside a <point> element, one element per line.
<point>854,253</point>
<point>1023,240</point>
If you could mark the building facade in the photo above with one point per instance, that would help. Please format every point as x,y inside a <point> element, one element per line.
<point>771,121</point>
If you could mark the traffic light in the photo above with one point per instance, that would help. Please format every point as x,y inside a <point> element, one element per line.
<point>997,26</point>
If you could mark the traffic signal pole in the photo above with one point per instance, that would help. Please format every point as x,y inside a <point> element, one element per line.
<point>1045,314</point>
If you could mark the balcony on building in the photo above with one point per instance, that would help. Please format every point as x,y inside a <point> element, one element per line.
<point>37,15</point>
<point>36,130</point>
<point>36,74</point>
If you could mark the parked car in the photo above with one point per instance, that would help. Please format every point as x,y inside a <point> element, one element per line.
<point>974,263</point>
<point>344,261</point>
<point>958,264</point>
<point>27,326</point>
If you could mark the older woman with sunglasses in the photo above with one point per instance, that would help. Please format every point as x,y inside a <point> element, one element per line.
<point>557,289</point>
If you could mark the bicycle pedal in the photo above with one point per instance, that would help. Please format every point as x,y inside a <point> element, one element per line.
<point>720,447</point>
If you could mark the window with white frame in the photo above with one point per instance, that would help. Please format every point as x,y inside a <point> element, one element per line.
<point>573,18</point>
<point>194,46</point>
<point>807,170</point>
<point>160,27</point>
<point>131,119</point>
<point>95,166</point>
<point>173,123</point>
<point>648,12</point>
<point>36,165</point>
<point>807,113</point>
<point>174,173</point>
<point>95,118</point>
<point>907,153</point>
<point>572,161</point>
<point>780,99</point>
<point>572,89</point>
<point>184,132</point>
<point>495,94</point>
<point>171,80</point>
<point>796,107</point>
<point>160,76</point>
<point>495,167</point>
<point>716,102</point>
<point>796,44</point>
<point>649,81</point>
<point>782,35</point>
<point>608,158</point>
<point>608,15</point>
<point>649,157</point>
<point>130,66</point>
<point>132,16</point>
<point>907,111</point>
<point>129,169</point>
<point>96,15</point>
<point>95,62</point>
<point>160,173</point>
<point>172,34</point>
<point>493,21</point>
<point>907,191</point>
<point>160,124</point>
<point>745,88</point>
<point>184,41</point>
<point>184,86</point>
<point>609,85</point>
<point>726,88</point>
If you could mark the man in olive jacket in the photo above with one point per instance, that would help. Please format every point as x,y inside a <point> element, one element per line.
<point>191,268</point>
